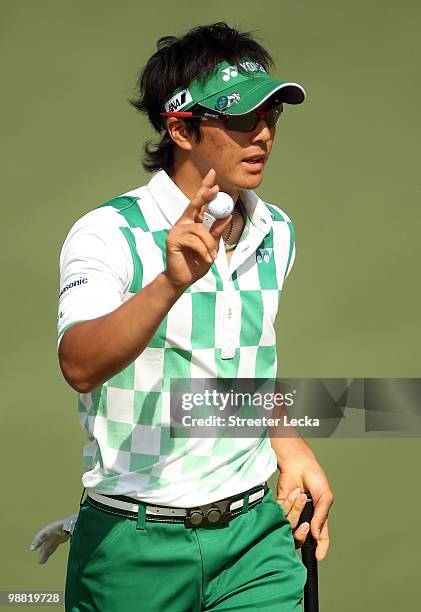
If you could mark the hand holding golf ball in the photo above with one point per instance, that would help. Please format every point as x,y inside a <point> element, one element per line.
<point>191,246</point>
<point>218,208</point>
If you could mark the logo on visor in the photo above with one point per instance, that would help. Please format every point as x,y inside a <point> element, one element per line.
<point>178,101</point>
<point>224,102</point>
<point>252,67</point>
<point>229,72</point>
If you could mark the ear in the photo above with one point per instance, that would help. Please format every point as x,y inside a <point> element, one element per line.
<point>177,130</point>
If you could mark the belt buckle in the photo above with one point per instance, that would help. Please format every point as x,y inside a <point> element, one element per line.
<point>215,513</point>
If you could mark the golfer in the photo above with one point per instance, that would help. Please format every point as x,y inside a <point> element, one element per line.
<point>149,294</point>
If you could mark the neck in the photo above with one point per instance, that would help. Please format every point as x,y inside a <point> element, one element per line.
<point>188,179</point>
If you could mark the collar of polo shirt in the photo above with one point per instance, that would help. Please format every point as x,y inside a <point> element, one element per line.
<point>172,202</point>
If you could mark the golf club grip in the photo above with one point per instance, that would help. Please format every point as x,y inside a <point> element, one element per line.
<point>308,556</point>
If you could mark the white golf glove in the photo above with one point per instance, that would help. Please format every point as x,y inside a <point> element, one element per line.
<point>54,534</point>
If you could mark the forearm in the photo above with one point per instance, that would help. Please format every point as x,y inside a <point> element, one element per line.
<point>287,442</point>
<point>93,351</point>
<point>291,449</point>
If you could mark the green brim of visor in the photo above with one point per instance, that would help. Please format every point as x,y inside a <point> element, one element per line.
<point>235,90</point>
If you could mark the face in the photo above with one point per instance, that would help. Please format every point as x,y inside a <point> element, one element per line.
<point>238,158</point>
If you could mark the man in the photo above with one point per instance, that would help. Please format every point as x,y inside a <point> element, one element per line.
<point>148,294</point>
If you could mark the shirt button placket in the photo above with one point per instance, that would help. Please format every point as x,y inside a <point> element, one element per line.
<point>228,349</point>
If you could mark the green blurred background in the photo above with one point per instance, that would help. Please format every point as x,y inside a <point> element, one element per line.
<point>345,167</point>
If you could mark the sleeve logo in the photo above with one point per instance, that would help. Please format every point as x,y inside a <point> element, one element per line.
<point>79,281</point>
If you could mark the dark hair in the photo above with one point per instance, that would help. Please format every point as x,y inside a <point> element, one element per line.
<point>176,63</point>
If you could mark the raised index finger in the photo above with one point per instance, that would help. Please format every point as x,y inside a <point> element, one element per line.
<point>205,194</point>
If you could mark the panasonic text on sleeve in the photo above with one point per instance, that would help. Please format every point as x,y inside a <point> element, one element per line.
<point>80,281</point>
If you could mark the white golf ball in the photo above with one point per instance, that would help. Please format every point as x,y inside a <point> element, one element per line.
<point>221,206</point>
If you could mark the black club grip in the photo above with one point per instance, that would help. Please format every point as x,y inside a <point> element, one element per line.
<point>308,557</point>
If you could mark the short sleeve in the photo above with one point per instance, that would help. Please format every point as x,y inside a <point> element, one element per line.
<point>292,257</point>
<point>284,236</point>
<point>96,270</point>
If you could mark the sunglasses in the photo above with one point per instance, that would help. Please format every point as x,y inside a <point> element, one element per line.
<point>237,123</point>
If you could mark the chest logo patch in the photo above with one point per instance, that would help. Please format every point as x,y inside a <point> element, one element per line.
<point>264,255</point>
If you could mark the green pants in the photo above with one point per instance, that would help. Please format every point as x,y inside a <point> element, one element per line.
<point>247,564</point>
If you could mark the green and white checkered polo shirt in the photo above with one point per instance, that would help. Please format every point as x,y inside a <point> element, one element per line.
<point>222,326</point>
